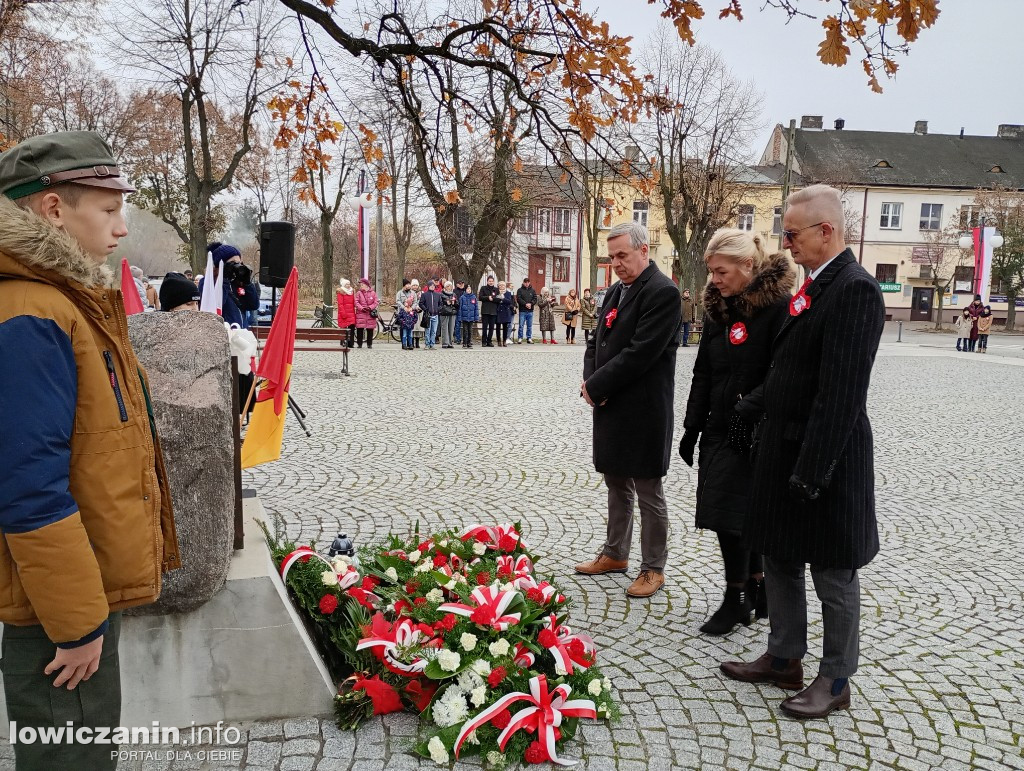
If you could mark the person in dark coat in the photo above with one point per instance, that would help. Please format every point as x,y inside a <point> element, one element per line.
<point>745,301</point>
<point>488,295</point>
<point>526,299</point>
<point>506,305</point>
<point>241,294</point>
<point>629,379</point>
<point>813,498</point>
<point>469,314</point>
<point>460,289</point>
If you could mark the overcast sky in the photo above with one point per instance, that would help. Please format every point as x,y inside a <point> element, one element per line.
<point>966,71</point>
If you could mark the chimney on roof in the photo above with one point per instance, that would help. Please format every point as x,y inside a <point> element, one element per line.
<point>920,127</point>
<point>1010,131</point>
<point>632,152</point>
<point>840,124</point>
<point>810,122</point>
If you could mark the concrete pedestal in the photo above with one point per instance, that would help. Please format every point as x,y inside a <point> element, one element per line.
<point>244,655</point>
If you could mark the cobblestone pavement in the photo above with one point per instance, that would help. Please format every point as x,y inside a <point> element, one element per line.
<point>451,438</point>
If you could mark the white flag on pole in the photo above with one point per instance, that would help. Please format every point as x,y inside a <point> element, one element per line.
<point>211,298</point>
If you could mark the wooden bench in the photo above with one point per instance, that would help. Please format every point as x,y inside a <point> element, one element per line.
<point>304,335</point>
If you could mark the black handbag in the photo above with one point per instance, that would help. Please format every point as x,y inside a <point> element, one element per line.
<point>373,313</point>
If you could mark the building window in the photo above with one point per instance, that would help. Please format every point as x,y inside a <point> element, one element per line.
<point>931,216</point>
<point>560,268</point>
<point>543,220</point>
<point>926,271</point>
<point>777,221</point>
<point>745,218</point>
<point>970,217</point>
<point>963,279</point>
<point>892,216</point>
<point>640,211</point>
<point>563,221</point>
<point>885,273</point>
<point>527,221</point>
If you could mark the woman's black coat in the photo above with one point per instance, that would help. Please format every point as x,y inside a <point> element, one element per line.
<point>723,374</point>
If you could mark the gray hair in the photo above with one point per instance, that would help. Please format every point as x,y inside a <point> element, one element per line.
<point>137,272</point>
<point>824,204</point>
<point>637,233</point>
<point>449,285</point>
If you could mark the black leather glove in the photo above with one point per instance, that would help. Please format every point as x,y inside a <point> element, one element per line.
<point>686,445</point>
<point>741,433</point>
<point>803,491</point>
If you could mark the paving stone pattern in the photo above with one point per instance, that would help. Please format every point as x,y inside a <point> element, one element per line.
<point>453,438</point>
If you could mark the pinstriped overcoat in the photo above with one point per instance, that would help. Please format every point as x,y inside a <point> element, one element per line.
<point>816,426</point>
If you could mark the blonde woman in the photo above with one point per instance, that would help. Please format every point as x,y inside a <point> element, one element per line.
<point>571,317</point>
<point>746,301</point>
<point>546,306</point>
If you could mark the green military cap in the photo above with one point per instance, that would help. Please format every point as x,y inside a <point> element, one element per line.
<point>46,160</point>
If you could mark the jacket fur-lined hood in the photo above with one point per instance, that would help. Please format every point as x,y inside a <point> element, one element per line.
<point>31,248</point>
<point>773,283</point>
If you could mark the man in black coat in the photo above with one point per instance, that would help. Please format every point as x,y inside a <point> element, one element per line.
<point>813,490</point>
<point>629,379</point>
<point>488,312</point>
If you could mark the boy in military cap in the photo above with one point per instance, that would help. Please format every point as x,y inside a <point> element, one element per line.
<point>86,527</point>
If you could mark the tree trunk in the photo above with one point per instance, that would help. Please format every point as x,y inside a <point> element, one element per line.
<point>326,220</point>
<point>938,307</point>
<point>593,264</point>
<point>1011,312</point>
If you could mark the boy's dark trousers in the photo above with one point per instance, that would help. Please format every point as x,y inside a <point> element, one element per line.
<point>467,334</point>
<point>33,701</point>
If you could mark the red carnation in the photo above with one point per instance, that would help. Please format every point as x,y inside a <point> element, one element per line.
<point>535,753</point>
<point>576,649</point>
<point>483,578</point>
<point>424,547</point>
<point>504,572</point>
<point>496,676</point>
<point>411,587</point>
<point>507,543</point>
<point>447,623</point>
<point>547,638</point>
<point>370,583</point>
<point>501,720</point>
<point>305,558</point>
<point>535,595</point>
<point>420,601</point>
<point>480,616</point>
<point>440,560</point>
<point>328,604</point>
<point>401,606</point>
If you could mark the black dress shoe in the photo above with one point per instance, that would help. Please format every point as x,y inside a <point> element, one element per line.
<point>758,597</point>
<point>816,700</point>
<point>790,677</point>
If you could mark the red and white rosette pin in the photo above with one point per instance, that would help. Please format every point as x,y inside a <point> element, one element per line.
<point>801,300</point>
<point>488,608</point>
<point>738,333</point>
<point>543,714</point>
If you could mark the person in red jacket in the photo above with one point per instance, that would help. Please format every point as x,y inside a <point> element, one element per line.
<point>346,311</point>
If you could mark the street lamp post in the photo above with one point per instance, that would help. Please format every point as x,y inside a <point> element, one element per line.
<point>983,240</point>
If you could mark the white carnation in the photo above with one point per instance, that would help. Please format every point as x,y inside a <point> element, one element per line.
<point>448,660</point>
<point>560,670</point>
<point>473,738</point>
<point>607,684</point>
<point>481,667</point>
<point>479,549</point>
<point>442,716</point>
<point>461,579</point>
<point>438,752</point>
<point>469,680</point>
<point>443,543</point>
<point>423,567</point>
<point>392,574</point>
<point>478,696</point>
<point>414,556</point>
<point>507,587</point>
<point>495,758</point>
<point>594,688</point>
<point>602,709</point>
<point>499,647</point>
<point>329,577</point>
<point>450,586</point>
<point>341,563</point>
<point>435,595</point>
<point>468,641</point>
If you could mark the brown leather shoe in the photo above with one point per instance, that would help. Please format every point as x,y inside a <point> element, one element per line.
<point>816,700</point>
<point>646,584</point>
<point>791,678</point>
<point>602,564</point>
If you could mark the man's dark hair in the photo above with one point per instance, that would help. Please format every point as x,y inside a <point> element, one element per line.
<point>405,282</point>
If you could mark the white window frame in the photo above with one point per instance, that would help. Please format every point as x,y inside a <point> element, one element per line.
<point>562,222</point>
<point>745,217</point>
<point>777,221</point>
<point>934,218</point>
<point>641,212</point>
<point>891,216</point>
<point>527,221</point>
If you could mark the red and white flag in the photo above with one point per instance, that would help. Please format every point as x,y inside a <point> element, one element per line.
<point>213,290</point>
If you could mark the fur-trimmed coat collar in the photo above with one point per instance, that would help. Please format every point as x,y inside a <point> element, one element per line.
<point>31,248</point>
<point>775,282</point>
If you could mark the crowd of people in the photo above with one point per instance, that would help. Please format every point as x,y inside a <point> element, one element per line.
<point>445,313</point>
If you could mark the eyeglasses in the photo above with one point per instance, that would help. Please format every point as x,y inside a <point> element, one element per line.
<point>791,234</point>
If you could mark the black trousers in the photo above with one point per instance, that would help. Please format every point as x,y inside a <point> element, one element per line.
<point>467,333</point>
<point>740,562</point>
<point>570,333</point>
<point>369,337</point>
<point>487,333</point>
<point>503,327</point>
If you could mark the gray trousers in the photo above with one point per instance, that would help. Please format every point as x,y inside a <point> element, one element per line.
<point>838,589</point>
<point>447,329</point>
<point>653,520</point>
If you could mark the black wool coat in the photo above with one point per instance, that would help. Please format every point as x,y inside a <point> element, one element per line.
<point>632,365</point>
<point>815,426</point>
<point>724,376</point>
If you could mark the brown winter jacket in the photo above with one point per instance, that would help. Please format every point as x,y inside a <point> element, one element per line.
<point>984,324</point>
<point>86,525</point>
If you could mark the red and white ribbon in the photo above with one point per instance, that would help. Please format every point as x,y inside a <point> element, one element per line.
<point>543,715</point>
<point>510,567</point>
<point>524,657</point>
<point>488,608</point>
<point>548,592</point>
<point>578,649</point>
<point>303,553</point>
<point>492,536</point>
<point>404,634</point>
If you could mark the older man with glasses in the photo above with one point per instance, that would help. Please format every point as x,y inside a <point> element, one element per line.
<point>813,486</point>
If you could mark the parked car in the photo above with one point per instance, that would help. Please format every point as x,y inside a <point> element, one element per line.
<point>263,315</point>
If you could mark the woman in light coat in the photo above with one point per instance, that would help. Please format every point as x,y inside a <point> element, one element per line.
<point>571,317</point>
<point>963,323</point>
<point>546,306</point>
<point>588,310</point>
